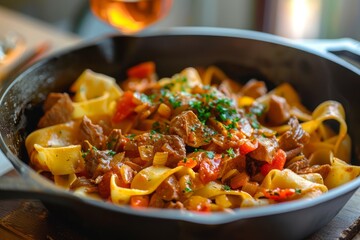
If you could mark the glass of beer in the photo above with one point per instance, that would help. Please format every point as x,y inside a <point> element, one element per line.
<point>130,16</point>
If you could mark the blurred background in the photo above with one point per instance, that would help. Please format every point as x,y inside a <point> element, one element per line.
<point>289,18</point>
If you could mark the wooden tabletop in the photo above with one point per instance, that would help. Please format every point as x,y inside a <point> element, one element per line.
<point>30,220</point>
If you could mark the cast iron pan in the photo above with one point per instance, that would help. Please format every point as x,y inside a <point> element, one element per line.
<point>243,55</point>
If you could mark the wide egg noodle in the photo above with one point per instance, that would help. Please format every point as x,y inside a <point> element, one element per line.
<point>92,85</point>
<point>56,149</point>
<point>65,181</point>
<point>190,76</point>
<point>288,179</point>
<point>328,110</point>
<point>96,106</point>
<point>54,136</point>
<point>95,94</point>
<point>340,171</point>
<point>58,160</point>
<point>145,182</point>
<point>213,189</point>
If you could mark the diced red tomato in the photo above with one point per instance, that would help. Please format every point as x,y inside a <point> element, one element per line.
<point>278,162</point>
<point>124,107</point>
<point>188,162</point>
<point>248,146</point>
<point>139,201</point>
<point>278,194</point>
<point>210,168</point>
<point>141,70</point>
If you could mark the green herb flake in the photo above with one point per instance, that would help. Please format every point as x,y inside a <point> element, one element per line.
<point>298,191</point>
<point>210,154</point>
<point>156,126</point>
<point>111,153</point>
<point>187,190</point>
<point>175,103</point>
<point>84,154</point>
<point>231,152</point>
<point>258,109</point>
<point>131,136</point>
<point>226,188</point>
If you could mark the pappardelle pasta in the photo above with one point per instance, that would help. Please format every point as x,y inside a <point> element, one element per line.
<point>197,141</point>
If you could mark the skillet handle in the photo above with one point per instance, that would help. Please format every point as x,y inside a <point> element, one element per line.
<point>345,48</point>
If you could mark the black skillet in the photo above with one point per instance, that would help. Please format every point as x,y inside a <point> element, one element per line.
<point>243,55</point>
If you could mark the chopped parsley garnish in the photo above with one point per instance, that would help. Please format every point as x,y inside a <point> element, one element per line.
<point>187,190</point>
<point>84,154</point>
<point>174,101</point>
<point>257,109</point>
<point>111,143</point>
<point>210,154</point>
<point>255,124</point>
<point>156,126</point>
<point>298,191</point>
<point>225,110</point>
<point>253,120</point>
<point>226,188</point>
<point>131,136</point>
<point>231,152</point>
<point>230,126</point>
<point>146,99</point>
<point>111,153</point>
<point>204,112</point>
<point>181,79</point>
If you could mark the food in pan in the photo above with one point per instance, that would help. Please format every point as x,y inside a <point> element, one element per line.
<point>198,141</point>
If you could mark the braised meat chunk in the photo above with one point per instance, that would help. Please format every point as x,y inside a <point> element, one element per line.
<point>172,144</point>
<point>92,132</point>
<point>58,109</point>
<point>279,110</point>
<point>295,137</point>
<point>265,150</point>
<point>190,129</point>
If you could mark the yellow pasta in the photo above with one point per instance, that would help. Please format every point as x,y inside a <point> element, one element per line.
<point>197,141</point>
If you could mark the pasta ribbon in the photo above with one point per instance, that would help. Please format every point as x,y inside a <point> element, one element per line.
<point>211,72</point>
<point>53,136</point>
<point>144,183</point>
<point>213,189</point>
<point>328,110</point>
<point>65,181</point>
<point>96,106</point>
<point>58,160</point>
<point>184,81</point>
<point>92,85</point>
<point>341,173</point>
<point>288,179</point>
<point>95,94</point>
